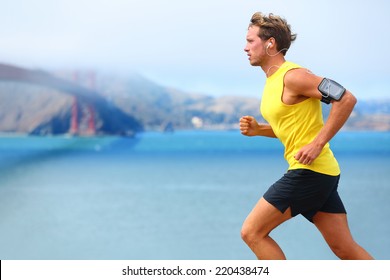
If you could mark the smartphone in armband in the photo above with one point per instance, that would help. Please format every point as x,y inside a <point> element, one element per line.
<point>330,90</point>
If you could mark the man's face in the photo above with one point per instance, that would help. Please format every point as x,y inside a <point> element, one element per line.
<point>254,46</point>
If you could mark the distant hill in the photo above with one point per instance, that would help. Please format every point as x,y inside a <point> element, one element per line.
<point>37,102</point>
<point>156,106</point>
<point>36,109</point>
<point>370,115</point>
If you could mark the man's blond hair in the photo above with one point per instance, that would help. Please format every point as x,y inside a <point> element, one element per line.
<point>275,27</point>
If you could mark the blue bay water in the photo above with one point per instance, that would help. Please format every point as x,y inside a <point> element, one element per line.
<point>172,196</point>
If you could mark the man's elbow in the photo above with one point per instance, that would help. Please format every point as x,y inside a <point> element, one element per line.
<point>350,99</point>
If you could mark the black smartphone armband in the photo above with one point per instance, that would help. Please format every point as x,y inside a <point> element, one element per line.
<point>330,90</point>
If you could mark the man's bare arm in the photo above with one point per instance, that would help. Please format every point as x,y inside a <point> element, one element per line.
<point>250,127</point>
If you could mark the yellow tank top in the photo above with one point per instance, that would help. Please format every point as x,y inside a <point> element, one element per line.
<point>295,125</point>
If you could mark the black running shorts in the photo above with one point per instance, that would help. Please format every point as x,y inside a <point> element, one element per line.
<point>306,192</point>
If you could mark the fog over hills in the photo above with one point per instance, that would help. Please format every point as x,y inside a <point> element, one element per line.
<point>38,109</point>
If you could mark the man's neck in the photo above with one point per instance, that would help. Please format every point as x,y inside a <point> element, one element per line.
<point>273,64</point>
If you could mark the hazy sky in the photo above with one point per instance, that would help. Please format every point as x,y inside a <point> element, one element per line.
<point>197,45</point>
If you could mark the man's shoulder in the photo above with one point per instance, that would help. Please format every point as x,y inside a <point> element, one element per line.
<point>301,81</point>
<point>298,74</point>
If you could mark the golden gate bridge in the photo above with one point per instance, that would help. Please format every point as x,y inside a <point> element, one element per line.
<point>86,101</point>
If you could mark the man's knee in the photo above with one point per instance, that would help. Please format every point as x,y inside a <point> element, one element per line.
<point>344,250</point>
<point>246,234</point>
<point>251,234</point>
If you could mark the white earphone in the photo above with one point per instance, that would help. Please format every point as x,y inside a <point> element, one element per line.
<point>269,45</point>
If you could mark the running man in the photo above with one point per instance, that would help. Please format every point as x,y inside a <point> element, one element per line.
<point>291,104</point>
